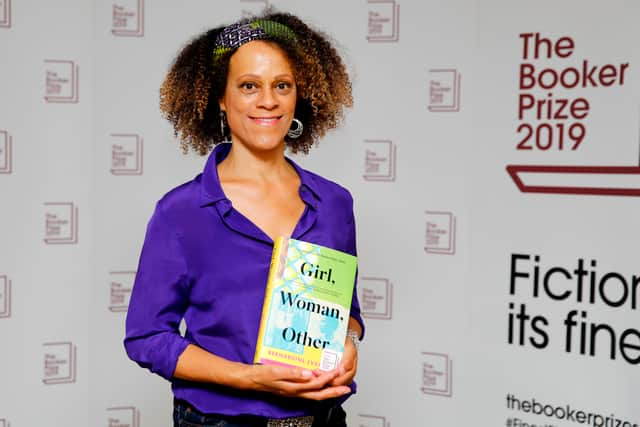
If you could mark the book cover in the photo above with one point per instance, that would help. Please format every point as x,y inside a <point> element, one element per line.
<point>306,306</point>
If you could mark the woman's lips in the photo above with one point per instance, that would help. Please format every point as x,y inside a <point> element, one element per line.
<point>266,121</point>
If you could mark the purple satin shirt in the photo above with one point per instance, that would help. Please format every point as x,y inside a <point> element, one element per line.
<point>207,263</point>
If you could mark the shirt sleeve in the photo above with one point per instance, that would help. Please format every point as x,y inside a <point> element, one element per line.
<point>158,300</point>
<point>351,248</point>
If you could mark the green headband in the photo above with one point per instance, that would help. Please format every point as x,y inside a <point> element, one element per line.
<point>237,34</point>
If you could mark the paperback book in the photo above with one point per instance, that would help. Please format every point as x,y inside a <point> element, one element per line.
<point>306,306</point>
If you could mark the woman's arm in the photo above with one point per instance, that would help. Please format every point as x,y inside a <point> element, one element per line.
<point>197,364</point>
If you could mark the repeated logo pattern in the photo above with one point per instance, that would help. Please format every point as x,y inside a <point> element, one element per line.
<point>59,363</point>
<point>440,235</point>
<point>6,152</point>
<point>123,416</point>
<point>128,18</point>
<point>384,21</point>
<point>5,15</point>
<point>61,81</point>
<point>5,297</point>
<point>126,154</point>
<point>437,374</point>
<point>367,420</point>
<point>444,90</point>
<point>375,295</point>
<point>380,160</point>
<point>120,287</point>
<point>61,223</point>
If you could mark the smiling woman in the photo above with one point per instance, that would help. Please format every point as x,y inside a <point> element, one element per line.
<point>200,73</point>
<point>261,85</point>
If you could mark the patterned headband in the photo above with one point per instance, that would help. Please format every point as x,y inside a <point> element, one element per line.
<point>239,33</point>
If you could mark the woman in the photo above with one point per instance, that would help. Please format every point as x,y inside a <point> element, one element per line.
<point>267,84</point>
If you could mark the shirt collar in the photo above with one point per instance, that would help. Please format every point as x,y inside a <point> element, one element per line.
<point>212,190</point>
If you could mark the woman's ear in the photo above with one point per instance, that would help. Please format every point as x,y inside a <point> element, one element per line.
<point>221,104</point>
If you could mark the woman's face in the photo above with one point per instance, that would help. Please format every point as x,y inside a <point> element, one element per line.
<point>260,96</point>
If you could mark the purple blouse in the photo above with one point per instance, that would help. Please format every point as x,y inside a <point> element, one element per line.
<point>207,263</point>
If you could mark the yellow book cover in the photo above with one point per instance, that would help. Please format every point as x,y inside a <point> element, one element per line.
<point>306,306</point>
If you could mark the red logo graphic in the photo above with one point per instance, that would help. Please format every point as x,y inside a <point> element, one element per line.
<point>124,416</point>
<point>444,90</point>
<point>553,106</point>
<point>365,420</point>
<point>120,288</point>
<point>6,152</point>
<point>441,233</point>
<point>578,180</point>
<point>5,17</point>
<point>5,297</point>
<point>380,160</point>
<point>59,363</point>
<point>128,18</point>
<point>253,7</point>
<point>437,373</point>
<point>61,223</point>
<point>375,297</point>
<point>384,21</point>
<point>61,83</point>
<point>126,154</point>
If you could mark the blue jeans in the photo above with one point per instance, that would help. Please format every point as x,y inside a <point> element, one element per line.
<point>185,415</point>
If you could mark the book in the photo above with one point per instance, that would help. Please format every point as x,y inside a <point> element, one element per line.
<point>306,306</point>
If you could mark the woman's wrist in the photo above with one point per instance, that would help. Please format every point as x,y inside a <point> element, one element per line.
<point>354,336</point>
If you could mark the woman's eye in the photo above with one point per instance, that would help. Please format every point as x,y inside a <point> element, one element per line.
<point>248,86</point>
<point>283,86</point>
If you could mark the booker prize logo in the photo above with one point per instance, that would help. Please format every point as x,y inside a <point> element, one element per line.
<point>252,7</point>
<point>61,81</point>
<point>120,287</point>
<point>5,297</point>
<point>444,90</point>
<point>554,113</point>
<point>380,160</point>
<point>440,235</point>
<point>376,296</point>
<point>437,373</point>
<point>126,154</point>
<point>366,420</point>
<point>61,223</point>
<point>123,416</point>
<point>59,363</point>
<point>384,21</point>
<point>128,18</point>
<point>6,152</point>
<point>5,19</point>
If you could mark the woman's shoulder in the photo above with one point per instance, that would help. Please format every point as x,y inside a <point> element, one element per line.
<point>182,198</point>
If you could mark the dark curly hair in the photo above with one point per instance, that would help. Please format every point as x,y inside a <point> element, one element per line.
<point>195,82</point>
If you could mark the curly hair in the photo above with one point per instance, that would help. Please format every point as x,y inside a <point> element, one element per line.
<point>195,82</point>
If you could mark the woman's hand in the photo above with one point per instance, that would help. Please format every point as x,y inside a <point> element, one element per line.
<point>296,382</point>
<point>348,365</point>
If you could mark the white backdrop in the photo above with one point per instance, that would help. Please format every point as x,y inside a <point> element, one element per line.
<point>443,227</point>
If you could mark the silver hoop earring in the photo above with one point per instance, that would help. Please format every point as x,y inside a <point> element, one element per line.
<point>223,124</point>
<point>296,130</point>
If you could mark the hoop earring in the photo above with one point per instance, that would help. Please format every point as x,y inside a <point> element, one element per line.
<point>223,124</point>
<point>295,132</point>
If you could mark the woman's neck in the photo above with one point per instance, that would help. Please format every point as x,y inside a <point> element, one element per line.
<point>242,163</point>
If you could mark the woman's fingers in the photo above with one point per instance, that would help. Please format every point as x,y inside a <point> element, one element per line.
<point>348,365</point>
<point>296,382</point>
<point>326,393</point>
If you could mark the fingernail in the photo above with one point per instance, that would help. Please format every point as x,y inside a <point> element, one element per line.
<point>306,373</point>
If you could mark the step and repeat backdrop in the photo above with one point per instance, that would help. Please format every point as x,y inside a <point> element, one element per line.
<point>494,156</point>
